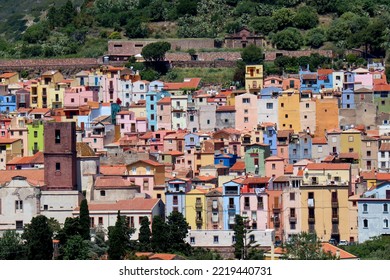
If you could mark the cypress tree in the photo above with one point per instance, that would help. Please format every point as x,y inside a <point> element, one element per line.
<point>38,236</point>
<point>84,220</point>
<point>144,235</point>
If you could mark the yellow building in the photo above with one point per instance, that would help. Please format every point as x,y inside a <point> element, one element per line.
<point>39,92</point>
<point>9,149</point>
<point>351,142</point>
<point>9,78</point>
<point>56,96</point>
<point>254,78</point>
<point>288,110</point>
<point>325,208</point>
<point>196,208</point>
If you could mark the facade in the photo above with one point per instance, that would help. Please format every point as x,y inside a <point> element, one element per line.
<point>255,155</point>
<point>299,147</point>
<point>288,110</point>
<point>231,203</point>
<point>254,78</point>
<point>196,208</point>
<point>373,212</point>
<point>35,137</point>
<point>246,111</point>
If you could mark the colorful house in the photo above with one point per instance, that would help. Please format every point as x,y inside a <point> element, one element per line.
<point>9,149</point>
<point>164,113</point>
<point>175,195</point>
<point>255,155</point>
<point>288,110</point>
<point>299,147</point>
<point>7,103</point>
<point>231,203</point>
<point>214,210</point>
<point>35,137</point>
<point>196,208</point>
<point>254,78</point>
<point>246,111</point>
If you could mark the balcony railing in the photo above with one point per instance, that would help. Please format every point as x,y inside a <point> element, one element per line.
<point>335,204</point>
<point>335,218</point>
<point>232,206</point>
<point>292,219</point>
<point>198,206</point>
<point>199,220</point>
<point>311,220</point>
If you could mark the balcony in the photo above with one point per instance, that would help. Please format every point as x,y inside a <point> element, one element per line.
<point>311,220</point>
<point>335,218</point>
<point>231,206</point>
<point>292,219</point>
<point>198,206</point>
<point>199,220</point>
<point>335,204</point>
<point>277,222</point>
<point>335,230</point>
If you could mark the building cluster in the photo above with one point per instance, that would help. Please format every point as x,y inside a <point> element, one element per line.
<point>306,152</point>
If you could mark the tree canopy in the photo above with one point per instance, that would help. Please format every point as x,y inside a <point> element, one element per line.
<point>252,55</point>
<point>155,51</point>
<point>84,220</point>
<point>288,39</point>
<point>119,239</point>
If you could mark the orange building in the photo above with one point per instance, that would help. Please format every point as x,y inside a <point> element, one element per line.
<point>327,115</point>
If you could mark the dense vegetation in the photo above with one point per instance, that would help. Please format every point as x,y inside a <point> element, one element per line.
<point>377,248</point>
<point>63,28</point>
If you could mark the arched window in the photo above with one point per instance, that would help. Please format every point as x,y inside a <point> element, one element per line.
<point>365,207</point>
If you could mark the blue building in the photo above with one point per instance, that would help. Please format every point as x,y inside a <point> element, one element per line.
<point>231,203</point>
<point>269,137</point>
<point>225,159</point>
<point>175,195</point>
<point>7,103</point>
<point>373,212</point>
<point>191,141</point>
<point>299,147</point>
<point>325,78</point>
<point>348,99</point>
<point>270,92</point>
<point>308,81</point>
<point>155,94</point>
<point>349,80</point>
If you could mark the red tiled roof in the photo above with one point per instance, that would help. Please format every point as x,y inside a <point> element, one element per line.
<point>113,170</point>
<point>160,256</point>
<point>327,247</point>
<point>8,140</point>
<point>7,75</point>
<point>383,176</point>
<point>328,166</point>
<point>226,109</point>
<point>309,76</point>
<point>349,155</point>
<point>300,173</point>
<point>124,113</point>
<point>385,147</point>
<point>238,166</point>
<point>141,119</point>
<point>173,136</point>
<point>381,87</point>
<point>174,153</point>
<point>255,180</point>
<point>368,175</point>
<point>319,140</point>
<point>188,83</point>
<point>273,158</point>
<point>35,176</point>
<point>324,71</point>
<point>40,111</point>
<point>105,182</point>
<point>136,204</point>
<point>151,162</point>
<point>37,158</point>
<point>285,133</point>
<point>289,169</point>
<point>329,158</point>
<point>147,135</point>
<point>165,100</point>
<point>204,178</point>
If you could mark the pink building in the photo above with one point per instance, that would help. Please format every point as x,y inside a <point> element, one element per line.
<point>291,83</point>
<point>127,122</point>
<point>110,84</point>
<point>79,96</point>
<point>246,111</point>
<point>174,142</point>
<point>254,202</point>
<point>4,127</point>
<point>273,81</point>
<point>274,166</point>
<point>164,113</point>
<point>363,79</point>
<point>157,141</point>
<point>141,124</point>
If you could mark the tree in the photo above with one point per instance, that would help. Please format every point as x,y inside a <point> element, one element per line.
<point>135,29</point>
<point>76,248</point>
<point>239,74</point>
<point>119,239</point>
<point>36,33</point>
<point>283,18</point>
<point>71,228</point>
<point>315,37</point>
<point>38,236</point>
<point>11,246</point>
<point>84,220</point>
<point>178,229</point>
<point>144,235</point>
<point>155,51</point>
<point>305,18</point>
<point>306,246</point>
<point>263,24</point>
<point>288,39</point>
<point>252,55</point>
<point>149,74</point>
<point>240,235</point>
<point>160,235</point>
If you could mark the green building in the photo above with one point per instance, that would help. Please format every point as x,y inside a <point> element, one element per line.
<point>35,137</point>
<point>255,155</point>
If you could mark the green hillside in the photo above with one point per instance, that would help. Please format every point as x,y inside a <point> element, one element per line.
<point>65,28</point>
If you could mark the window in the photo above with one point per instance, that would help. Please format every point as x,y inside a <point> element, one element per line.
<point>365,223</point>
<point>307,105</point>
<point>45,207</point>
<point>102,193</point>
<point>293,225</point>
<point>350,150</point>
<point>365,208</point>
<point>334,139</point>
<point>246,202</point>
<point>192,240</point>
<point>348,96</point>
<point>305,152</point>
<point>152,107</point>
<point>292,196</point>
<point>208,121</point>
<point>350,138</point>
<point>246,111</point>
<point>270,105</point>
<point>273,166</point>
<point>319,149</point>
<point>58,166</point>
<point>368,153</point>
<point>385,208</point>
<point>252,238</point>
<point>246,119</point>
<point>282,105</point>
<point>382,154</point>
<point>215,239</point>
<point>286,116</point>
<point>57,136</point>
<point>368,144</point>
<point>19,205</point>
<point>94,140</point>
<point>100,220</point>
<point>226,120</point>
<point>305,116</point>
<point>385,223</point>
<point>294,151</point>
<point>72,100</point>
<point>19,225</point>
<point>246,100</point>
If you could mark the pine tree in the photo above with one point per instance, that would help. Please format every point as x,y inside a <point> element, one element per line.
<point>178,229</point>
<point>84,220</point>
<point>119,239</point>
<point>144,235</point>
<point>38,236</point>
<point>160,235</point>
<point>239,233</point>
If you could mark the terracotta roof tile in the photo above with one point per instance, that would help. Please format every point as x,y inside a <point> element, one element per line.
<point>368,175</point>
<point>165,100</point>
<point>382,87</point>
<point>113,170</point>
<point>8,140</point>
<point>385,147</point>
<point>319,140</point>
<point>273,158</point>
<point>35,159</point>
<point>284,133</point>
<point>289,169</point>
<point>7,75</point>
<point>328,166</point>
<point>174,153</point>
<point>175,136</point>
<point>255,180</point>
<point>226,109</point>
<point>84,150</point>
<point>32,175</point>
<point>151,162</point>
<point>383,176</point>
<point>238,166</point>
<point>136,204</point>
<point>327,247</point>
<point>188,83</point>
<point>111,182</point>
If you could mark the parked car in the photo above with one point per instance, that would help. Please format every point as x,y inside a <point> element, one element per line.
<point>343,243</point>
<point>333,241</point>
